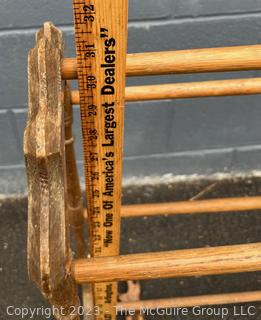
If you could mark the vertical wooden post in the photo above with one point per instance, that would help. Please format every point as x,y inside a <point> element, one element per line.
<point>49,255</point>
<point>74,197</point>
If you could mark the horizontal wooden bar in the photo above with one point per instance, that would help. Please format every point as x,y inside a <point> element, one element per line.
<point>179,263</point>
<point>184,61</point>
<point>188,90</point>
<point>190,207</point>
<point>181,302</point>
<point>194,90</point>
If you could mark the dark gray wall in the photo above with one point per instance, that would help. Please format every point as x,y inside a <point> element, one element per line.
<point>179,137</point>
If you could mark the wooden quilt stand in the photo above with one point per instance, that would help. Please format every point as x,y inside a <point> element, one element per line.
<point>55,205</point>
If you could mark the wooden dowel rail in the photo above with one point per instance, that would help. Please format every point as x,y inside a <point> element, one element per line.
<point>204,300</point>
<point>191,207</point>
<point>188,90</point>
<point>179,263</point>
<point>236,58</point>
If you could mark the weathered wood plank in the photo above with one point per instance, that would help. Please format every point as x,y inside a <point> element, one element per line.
<point>44,148</point>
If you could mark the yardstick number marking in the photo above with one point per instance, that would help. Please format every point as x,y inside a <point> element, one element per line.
<point>84,16</point>
<point>100,36</point>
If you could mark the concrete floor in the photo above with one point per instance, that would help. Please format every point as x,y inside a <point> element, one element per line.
<point>144,235</point>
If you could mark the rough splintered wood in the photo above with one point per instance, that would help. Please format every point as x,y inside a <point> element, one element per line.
<point>48,238</point>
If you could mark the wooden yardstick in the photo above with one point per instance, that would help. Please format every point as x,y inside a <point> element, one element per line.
<point>101,44</point>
